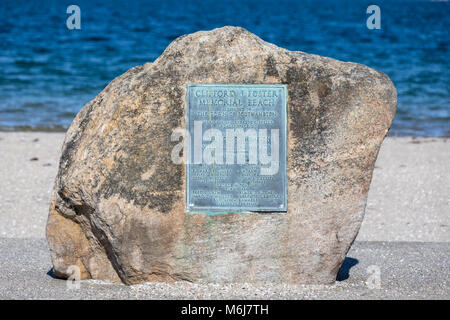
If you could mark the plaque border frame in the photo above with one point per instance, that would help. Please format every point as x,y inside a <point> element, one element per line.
<point>235,210</point>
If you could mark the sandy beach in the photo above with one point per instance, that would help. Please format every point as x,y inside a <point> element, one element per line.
<point>405,233</point>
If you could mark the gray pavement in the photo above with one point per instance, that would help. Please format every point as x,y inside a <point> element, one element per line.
<point>407,270</point>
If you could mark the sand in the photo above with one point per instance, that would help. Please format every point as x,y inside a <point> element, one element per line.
<point>405,232</point>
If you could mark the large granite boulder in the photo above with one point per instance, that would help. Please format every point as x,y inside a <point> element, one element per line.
<point>118,209</point>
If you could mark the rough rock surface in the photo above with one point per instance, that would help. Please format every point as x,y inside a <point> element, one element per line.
<point>118,208</point>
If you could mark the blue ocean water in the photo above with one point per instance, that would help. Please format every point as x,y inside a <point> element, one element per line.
<point>48,72</point>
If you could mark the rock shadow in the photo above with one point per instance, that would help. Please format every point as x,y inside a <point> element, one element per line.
<point>52,274</point>
<point>344,271</point>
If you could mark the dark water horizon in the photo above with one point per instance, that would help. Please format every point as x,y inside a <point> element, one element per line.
<point>49,72</point>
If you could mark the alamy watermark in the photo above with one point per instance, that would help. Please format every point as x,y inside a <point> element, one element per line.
<point>73,281</point>
<point>74,20</point>
<point>374,280</point>
<point>229,147</point>
<point>374,20</point>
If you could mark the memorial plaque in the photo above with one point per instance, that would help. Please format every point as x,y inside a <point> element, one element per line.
<point>236,159</point>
